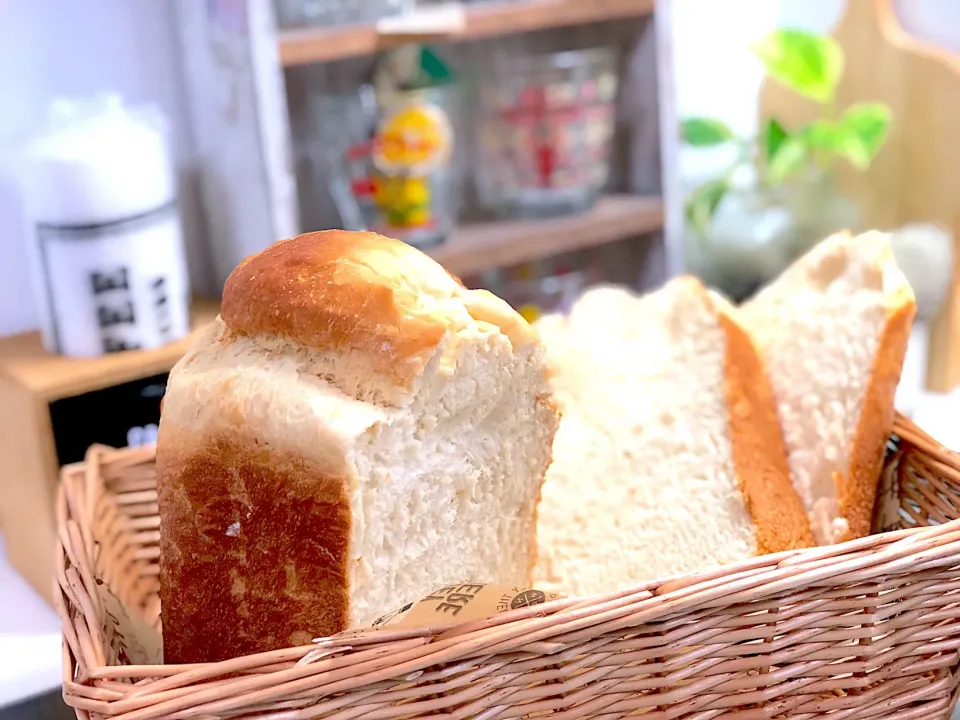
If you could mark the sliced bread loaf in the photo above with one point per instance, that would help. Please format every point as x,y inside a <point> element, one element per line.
<point>833,332</point>
<point>669,458</point>
<point>355,431</point>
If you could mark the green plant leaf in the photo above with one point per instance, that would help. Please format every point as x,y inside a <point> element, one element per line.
<point>821,134</point>
<point>774,135</point>
<point>808,64</point>
<point>861,132</point>
<point>791,156</point>
<point>704,132</point>
<point>703,202</point>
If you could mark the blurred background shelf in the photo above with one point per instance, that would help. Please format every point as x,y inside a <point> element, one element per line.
<point>47,377</point>
<point>302,47</point>
<point>574,111</point>
<point>500,244</point>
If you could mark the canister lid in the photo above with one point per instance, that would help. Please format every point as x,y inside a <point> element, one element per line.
<point>98,161</point>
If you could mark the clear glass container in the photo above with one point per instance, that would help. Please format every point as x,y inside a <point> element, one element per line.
<point>537,291</point>
<point>545,126</point>
<point>756,232</point>
<point>400,172</point>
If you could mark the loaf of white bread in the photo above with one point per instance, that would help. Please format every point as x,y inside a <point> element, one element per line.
<point>669,458</point>
<point>833,332</point>
<point>695,434</point>
<point>356,430</point>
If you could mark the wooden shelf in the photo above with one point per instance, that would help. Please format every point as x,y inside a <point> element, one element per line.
<point>302,47</point>
<point>501,244</point>
<point>471,249</point>
<point>51,377</point>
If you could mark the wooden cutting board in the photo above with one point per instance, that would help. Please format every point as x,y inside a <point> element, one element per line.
<point>916,176</point>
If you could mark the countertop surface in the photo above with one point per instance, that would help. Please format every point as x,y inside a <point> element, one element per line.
<point>30,652</point>
<point>29,639</point>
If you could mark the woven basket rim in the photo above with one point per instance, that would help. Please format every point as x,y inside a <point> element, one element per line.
<point>688,589</point>
<point>875,558</point>
<point>669,588</point>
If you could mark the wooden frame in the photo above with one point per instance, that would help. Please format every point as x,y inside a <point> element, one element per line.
<point>500,244</point>
<point>916,175</point>
<point>302,47</point>
<point>248,86</point>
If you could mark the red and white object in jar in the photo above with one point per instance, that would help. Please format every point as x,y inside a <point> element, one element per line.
<point>546,127</point>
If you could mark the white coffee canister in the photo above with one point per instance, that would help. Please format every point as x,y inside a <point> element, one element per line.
<point>109,266</point>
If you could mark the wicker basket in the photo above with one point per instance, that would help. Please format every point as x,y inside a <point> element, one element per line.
<point>867,629</point>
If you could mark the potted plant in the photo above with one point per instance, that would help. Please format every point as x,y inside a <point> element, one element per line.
<point>778,196</point>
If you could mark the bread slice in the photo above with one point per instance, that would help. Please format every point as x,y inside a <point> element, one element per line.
<point>833,331</point>
<point>355,431</point>
<point>669,458</point>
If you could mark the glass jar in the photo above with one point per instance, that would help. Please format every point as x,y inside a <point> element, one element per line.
<point>756,232</point>
<point>398,170</point>
<point>544,287</point>
<point>546,124</point>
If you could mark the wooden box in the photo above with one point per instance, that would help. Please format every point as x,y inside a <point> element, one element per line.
<point>53,408</point>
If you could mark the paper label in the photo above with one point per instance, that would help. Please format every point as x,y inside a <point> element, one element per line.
<point>130,635</point>
<point>445,19</point>
<point>115,286</point>
<point>460,603</point>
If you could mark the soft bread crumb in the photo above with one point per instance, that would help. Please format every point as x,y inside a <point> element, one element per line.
<point>643,483</point>
<point>451,487</point>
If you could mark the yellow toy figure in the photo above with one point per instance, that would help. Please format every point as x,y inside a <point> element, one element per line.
<point>409,144</point>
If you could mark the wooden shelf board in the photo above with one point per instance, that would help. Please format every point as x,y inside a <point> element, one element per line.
<point>315,45</point>
<point>501,244</point>
<point>51,377</point>
<point>471,249</point>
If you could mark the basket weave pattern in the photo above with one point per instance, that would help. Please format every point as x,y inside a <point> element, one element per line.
<point>867,629</point>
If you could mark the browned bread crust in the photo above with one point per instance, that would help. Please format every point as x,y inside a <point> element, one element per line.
<point>858,491</point>
<point>284,522</point>
<point>347,291</point>
<point>339,291</point>
<point>759,451</point>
